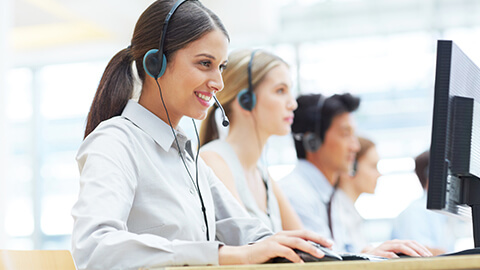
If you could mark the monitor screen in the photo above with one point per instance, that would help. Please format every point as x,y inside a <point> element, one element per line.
<point>454,170</point>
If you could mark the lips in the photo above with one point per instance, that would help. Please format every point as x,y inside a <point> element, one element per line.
<point>207,98</point>
<point>289,119</point>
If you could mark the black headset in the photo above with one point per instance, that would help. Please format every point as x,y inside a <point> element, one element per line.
<point>155,61</point>
<point>355,166</point>
<point>246,97</point>
<point>312,140</point>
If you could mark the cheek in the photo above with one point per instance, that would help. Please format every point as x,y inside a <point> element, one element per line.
<point>373,176</point>
<point>266,112</point>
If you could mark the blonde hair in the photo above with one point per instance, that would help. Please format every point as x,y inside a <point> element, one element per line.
<point>365,145</point>
<point>235,79</point>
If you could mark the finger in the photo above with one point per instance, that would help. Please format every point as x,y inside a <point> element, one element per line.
<point>418,249</point>
<point>422,250</point>
<point>387,254</point>
<point>311,236</point>
<point>294,242</point>
<point>402,246</point>
<point>289,254</point>
<point>406,250</point>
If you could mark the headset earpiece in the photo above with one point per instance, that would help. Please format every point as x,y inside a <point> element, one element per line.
<point>355,167</point>
<point>152,64</point>
<point>247,99</point>
<point>311,142</point>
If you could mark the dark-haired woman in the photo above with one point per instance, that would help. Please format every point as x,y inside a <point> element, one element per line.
<point>145,198</point>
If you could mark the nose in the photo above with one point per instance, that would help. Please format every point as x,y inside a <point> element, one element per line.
<point>292,103</point>
<point>215,81</point>
<point>355,146</point>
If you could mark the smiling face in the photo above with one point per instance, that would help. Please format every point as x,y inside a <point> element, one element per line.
<point>275,103</point>
<point>193,75</point>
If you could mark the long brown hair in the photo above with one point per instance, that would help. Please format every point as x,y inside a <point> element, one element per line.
<point>235,79</point>
<point>190,22</point>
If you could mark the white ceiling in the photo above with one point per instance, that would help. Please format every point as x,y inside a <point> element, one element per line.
<point>52,31</point>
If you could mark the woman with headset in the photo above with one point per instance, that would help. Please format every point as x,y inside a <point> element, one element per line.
<point>145,198</point>
<point>349,187</point>
<point>258,99</point>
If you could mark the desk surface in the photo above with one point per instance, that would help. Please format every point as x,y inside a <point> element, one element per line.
<point>450,262</point>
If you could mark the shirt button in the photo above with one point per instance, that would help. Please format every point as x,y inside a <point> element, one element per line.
<point>203,228</point>
<point>192,191</point>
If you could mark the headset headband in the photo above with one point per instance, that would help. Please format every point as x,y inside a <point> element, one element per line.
<point>249,70</point>
<point>318,115</point>
<point>165,24</point>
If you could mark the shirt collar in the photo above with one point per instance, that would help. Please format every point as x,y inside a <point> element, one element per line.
<point>151,124</point>
<point>316,179</point>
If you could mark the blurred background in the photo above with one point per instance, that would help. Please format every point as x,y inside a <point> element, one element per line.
<point>53,52</point>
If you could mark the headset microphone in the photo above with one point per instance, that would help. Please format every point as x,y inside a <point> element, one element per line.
<point>225,121</point>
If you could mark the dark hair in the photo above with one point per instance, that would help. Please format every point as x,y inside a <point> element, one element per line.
<point>235,79</point>
<point>305,115</point>
<point>190,22</point>
<point>421,167</point>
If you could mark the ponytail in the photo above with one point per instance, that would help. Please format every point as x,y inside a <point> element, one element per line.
<point>113,92</point>
<point>209,129</point>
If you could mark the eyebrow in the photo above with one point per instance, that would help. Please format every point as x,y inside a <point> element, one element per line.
<point>347,128</point>
<point>210,56</point>
<point>282,84</point>
<point>206,55</point>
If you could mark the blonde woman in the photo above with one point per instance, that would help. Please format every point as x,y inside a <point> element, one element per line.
<point>258,101</point>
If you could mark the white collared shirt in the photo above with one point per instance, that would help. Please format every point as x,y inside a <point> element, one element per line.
<point>137,205</point>
<point>309,192</point>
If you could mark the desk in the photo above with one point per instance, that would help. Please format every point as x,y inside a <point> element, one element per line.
<point>450,262</point>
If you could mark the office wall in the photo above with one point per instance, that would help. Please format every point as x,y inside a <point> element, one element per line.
<point>5,24</point>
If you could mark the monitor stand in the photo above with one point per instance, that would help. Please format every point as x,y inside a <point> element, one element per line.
<point>476,224</point>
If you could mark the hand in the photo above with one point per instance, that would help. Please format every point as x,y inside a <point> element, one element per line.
<point>391,248</point>
<point>278,245</point>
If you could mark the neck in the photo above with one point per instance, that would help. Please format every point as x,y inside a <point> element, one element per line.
<point>151,100</point>
<point>330,174</point>
<point>345,183</point>
<point>247,144</point>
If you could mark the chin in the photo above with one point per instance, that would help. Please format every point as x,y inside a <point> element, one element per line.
<point>198,116</point>
<point>284,131</point>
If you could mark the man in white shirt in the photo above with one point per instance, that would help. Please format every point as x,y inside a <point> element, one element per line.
<point>326,145</point>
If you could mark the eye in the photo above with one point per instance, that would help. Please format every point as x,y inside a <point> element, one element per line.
<point>280,90</point>
<point>205,63</point>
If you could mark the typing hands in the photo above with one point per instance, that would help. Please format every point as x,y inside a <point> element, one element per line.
<point>278,245</point>
<point>391,248</point>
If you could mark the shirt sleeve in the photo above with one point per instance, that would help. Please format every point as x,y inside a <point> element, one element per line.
<point>414,223</point>
<point>100,238</point>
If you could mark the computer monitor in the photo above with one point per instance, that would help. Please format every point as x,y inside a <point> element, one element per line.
<point>454,170</point>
